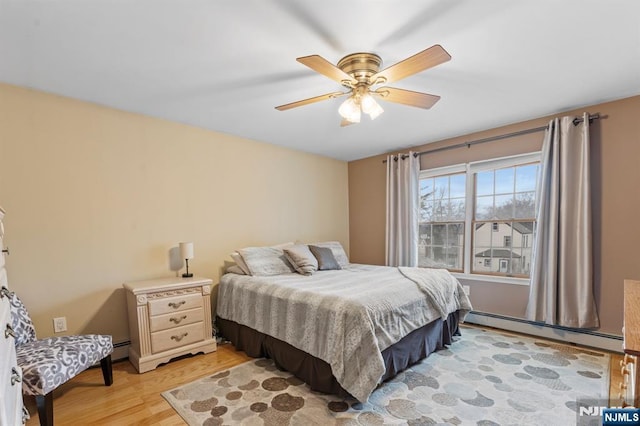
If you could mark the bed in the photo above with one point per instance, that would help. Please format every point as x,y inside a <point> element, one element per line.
<point>342,331</point>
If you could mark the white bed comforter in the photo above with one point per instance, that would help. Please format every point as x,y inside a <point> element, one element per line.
<point>345,317</point>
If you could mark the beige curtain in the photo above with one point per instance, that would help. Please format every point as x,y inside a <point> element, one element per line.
<point>403,174</point>
<point>561,290</point>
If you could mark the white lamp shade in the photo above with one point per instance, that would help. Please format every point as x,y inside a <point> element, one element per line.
<point>186,250</point>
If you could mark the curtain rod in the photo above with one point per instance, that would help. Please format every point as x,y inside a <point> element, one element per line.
<point>576,121</point>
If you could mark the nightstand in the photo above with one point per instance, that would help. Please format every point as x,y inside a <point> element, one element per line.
<point>168,317</point>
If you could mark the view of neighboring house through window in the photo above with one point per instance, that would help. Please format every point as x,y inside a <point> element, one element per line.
<point>504,202</point>
<point>479,218</point>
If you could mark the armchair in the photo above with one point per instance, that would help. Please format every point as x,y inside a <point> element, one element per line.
<point>48,363</point>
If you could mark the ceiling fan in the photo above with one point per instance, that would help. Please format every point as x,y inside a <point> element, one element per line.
<point>359,72</point>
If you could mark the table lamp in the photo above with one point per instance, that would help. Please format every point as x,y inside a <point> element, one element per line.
<point>186,251</point>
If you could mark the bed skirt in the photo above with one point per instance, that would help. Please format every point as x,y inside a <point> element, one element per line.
<point>317,373</point>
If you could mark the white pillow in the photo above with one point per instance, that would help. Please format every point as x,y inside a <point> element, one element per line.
<point>301,258</point>
<point>337,250</point>
<point>264,261</point>
<point>240,262</point>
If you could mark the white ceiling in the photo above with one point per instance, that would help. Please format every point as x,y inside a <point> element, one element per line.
<point>224,65</point>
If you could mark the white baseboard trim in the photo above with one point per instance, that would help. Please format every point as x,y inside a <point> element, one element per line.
<point>609,342</point>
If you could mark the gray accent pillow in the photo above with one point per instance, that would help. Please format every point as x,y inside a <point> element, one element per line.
<point>265,261</point>
<point>337,250</point>
<point>326,259</point>
<point>302,259</point>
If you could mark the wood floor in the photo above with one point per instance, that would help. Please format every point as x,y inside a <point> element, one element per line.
<point>134,399</point>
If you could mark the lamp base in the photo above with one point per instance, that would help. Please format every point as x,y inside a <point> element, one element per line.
<point>187,275</point>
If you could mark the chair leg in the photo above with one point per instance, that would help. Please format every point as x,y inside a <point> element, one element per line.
<point>45,409</point>
<point>107,371</point>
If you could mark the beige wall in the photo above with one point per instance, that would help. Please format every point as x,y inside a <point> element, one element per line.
<point>96,197</point>
<point>615,143</point>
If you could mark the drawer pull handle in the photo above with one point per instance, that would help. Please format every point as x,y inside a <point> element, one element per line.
<point>4,292</point>
<point>178,338</point>
<point>177,320</point>
<point>15,376</point>
<point>175,305</point>
<point>6,251</point>
<point>9,332</point>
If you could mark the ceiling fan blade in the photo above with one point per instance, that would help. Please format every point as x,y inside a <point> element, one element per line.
<point>310,100</point>
<point>326,68</point>
<point>428,58</point>
<point>406,97</point>
<point>346,122</point>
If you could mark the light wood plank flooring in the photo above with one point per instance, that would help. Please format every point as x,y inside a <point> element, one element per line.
<point>134,399</point>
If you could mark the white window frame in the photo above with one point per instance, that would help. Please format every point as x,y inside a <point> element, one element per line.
<point>470,169</point>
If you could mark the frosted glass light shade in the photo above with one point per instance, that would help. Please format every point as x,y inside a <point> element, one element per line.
<point>186,250</point>
<point>350,110</point>
<point>370,106</point>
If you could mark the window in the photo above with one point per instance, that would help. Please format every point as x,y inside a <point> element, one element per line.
<point>442,217</point>
<point>479,218</point>
<point>506,194</point>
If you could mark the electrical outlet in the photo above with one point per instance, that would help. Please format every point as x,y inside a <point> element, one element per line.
<point>467,289</point>
<point>59,324</point>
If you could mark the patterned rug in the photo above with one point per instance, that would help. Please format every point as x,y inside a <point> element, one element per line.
<point>485,378</point>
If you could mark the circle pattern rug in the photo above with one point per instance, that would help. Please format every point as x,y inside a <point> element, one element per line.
<point>485,377</point>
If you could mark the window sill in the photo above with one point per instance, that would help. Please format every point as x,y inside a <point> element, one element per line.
<point>491,278</point>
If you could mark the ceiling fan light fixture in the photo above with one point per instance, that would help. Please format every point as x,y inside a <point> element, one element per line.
<point>360,73</point>
<point>350,110</point>
<point>370,106</point>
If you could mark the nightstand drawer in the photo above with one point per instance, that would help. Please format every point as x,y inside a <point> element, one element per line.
<point>176,319</point>
<point>176,337</point>
<point>174,304</point>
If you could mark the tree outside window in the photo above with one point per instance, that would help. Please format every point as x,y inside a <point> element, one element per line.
<point>442,215</point>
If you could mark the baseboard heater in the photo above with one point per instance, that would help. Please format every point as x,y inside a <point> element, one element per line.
<point>120,350</point>
<point>610,342</point>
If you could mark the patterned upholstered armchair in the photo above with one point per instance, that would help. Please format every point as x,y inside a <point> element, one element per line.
<point>48,363</point>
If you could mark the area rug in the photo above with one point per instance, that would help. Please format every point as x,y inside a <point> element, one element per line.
<point>484,378</point>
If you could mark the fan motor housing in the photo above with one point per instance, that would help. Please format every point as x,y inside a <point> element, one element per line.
<point>360,66</point>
